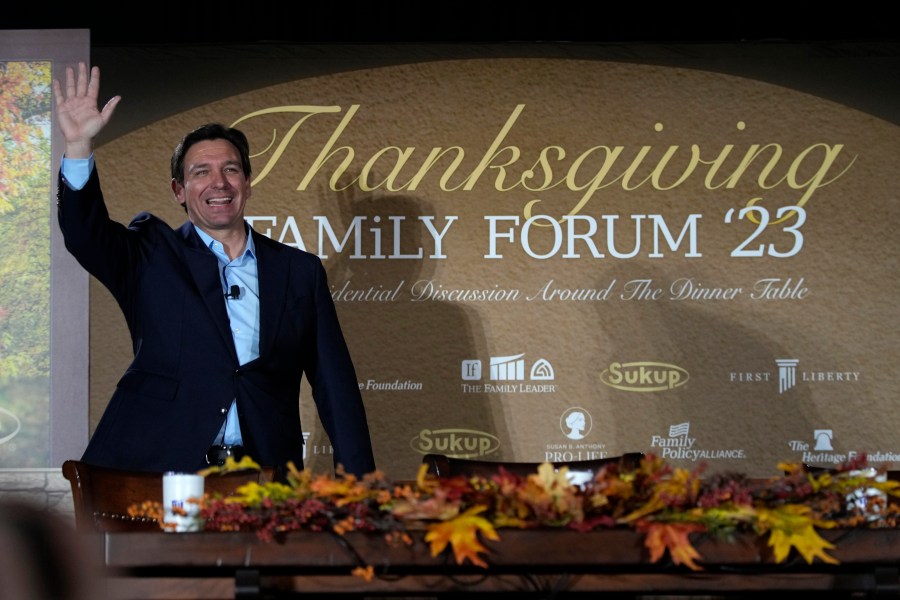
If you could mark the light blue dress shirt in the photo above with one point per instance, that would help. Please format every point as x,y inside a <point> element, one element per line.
<point>243,311</point>
<point>243,314</point>
<point>76,171</point>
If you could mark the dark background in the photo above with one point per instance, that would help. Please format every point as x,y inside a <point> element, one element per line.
<point>218,49</point>
<point>194,22</point>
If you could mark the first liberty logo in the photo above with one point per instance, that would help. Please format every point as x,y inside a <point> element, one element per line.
<point>789,376</point>
<point>787,373</point>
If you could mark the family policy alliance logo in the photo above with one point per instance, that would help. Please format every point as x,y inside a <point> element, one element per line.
<point>507,374</point>
<point>680,445</point>
<point>788,374</point>
<point>644,376</point>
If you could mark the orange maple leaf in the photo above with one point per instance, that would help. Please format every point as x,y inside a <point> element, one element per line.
<point>674,538</point>
<point>461,533</point>
<point>367,573</point>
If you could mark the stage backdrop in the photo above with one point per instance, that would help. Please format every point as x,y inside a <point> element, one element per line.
<point>547,258</point>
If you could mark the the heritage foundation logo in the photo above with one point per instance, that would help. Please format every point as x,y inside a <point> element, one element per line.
<point>679,445</point>
<point>644,376</point>
<point>455,443</point>
<point>820,451</point>
<point>390,385</point>
<point>508,374</point>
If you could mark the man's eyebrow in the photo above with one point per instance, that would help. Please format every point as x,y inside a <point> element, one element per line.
<point>206,165</point>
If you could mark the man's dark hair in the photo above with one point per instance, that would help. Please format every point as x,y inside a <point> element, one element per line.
<point>210,131</point>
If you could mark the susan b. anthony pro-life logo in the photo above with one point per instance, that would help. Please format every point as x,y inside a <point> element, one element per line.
<point>576,423</point>
<point>575,427</point>
<point>508,374</point>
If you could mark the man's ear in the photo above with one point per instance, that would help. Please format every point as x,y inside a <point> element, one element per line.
<point>178,192</point>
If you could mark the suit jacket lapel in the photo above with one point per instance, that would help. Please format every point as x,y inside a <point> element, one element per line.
<point>273,270</point>
<point>204,269</point>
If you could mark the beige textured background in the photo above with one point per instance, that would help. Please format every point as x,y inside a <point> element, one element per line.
<point>846,323</point>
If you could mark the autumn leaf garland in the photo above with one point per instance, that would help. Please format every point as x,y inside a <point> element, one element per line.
<point>665,504</point>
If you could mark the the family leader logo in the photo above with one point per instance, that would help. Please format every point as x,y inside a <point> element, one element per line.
<point>644,376</point>
<point>508,368</point>
<point>576,423</point>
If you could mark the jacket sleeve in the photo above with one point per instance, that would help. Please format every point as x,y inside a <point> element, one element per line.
<point>108,250</point>
<point>336,389</point>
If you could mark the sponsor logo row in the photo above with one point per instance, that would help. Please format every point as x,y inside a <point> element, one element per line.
<point>517,374</point>
<point>575,424</point>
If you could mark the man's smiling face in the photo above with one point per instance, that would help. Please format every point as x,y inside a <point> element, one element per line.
<point>215,189</point>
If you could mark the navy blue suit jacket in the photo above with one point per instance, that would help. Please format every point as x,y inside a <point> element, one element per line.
<point>170,403</point>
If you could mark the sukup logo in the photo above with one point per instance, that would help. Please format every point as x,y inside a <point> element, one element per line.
<point>455,443</point>
<point>644,376</point>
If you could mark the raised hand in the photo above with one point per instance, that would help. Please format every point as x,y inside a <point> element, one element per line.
<point>77,111</point>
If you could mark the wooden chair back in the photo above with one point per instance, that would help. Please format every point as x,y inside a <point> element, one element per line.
<point>101,496</point>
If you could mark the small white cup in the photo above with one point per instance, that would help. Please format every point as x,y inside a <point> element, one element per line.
<point>178,489</point>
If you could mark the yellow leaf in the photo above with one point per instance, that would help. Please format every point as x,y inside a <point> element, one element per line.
<point>549,479</point>
<point>461,533</point>
<point>552,497</point>
<point>253,494</point>
<point>792,526</point>
<point>426,482</point>
<point>245,464</point>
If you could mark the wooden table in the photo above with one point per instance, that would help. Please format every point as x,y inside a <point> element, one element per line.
<point>239,565</point>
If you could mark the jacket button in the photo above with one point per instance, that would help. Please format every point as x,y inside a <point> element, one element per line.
<point>223,410</point>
